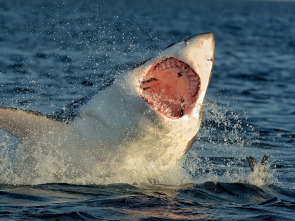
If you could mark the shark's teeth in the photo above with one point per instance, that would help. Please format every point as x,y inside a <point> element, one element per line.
<point>171,87</point>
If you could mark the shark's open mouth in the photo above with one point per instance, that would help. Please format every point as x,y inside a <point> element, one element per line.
<point>171,87</point>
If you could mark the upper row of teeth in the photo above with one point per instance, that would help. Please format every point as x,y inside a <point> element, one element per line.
<point>193,79</point>
<point>167,64</point>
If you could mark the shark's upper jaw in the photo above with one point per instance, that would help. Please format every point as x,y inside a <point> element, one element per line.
<point>171,87</point>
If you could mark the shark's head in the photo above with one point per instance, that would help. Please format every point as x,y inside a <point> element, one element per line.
<point>175,82</point>
<point>173,85</point>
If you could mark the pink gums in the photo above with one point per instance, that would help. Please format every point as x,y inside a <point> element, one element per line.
<point>171,87</point>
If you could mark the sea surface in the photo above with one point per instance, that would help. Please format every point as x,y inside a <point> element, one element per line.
<point>55,52</point>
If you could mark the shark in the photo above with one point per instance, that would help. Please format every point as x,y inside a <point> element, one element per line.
<point>150,114</point>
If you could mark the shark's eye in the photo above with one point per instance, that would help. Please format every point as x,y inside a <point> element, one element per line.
<point>171,87</point>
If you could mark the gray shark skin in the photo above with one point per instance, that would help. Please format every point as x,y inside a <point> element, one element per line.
<point>152,113</point>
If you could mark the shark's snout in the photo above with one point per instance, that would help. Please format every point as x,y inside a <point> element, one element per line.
<point>204,42</point>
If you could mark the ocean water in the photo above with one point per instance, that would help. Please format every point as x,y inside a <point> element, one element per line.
<point>55,52</point>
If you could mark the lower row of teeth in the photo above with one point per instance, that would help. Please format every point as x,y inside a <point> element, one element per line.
<point>166,109</point>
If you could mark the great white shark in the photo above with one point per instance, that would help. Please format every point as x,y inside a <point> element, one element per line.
<point>151,114</point>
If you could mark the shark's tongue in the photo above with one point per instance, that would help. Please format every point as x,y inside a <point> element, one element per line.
<point>171,87</point>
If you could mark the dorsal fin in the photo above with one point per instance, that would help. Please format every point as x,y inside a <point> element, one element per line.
<point>23,124</point>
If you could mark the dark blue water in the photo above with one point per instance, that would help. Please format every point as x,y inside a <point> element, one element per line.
<point>54,52</point>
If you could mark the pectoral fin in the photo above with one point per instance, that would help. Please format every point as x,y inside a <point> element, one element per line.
<point>25,124</point>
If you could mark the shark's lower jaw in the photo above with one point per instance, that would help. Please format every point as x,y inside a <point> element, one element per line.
<point>171,87</point>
